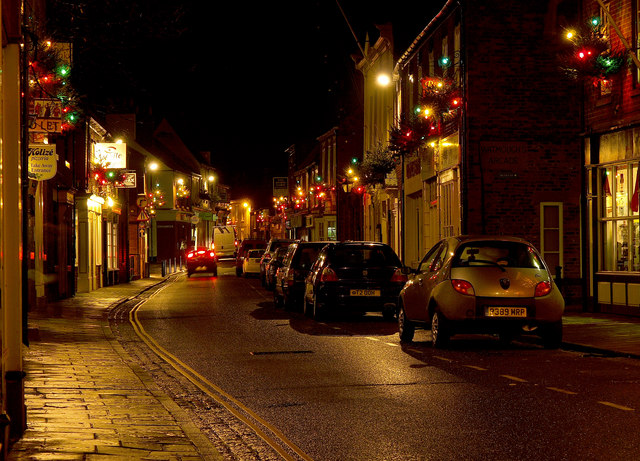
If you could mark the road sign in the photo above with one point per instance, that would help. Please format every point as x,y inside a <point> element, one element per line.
<point>280,186</point>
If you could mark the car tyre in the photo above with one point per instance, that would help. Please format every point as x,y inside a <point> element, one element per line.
<point>215,272</point>
<point>406,328</point>
<point>318,311</point>
<point>277,301</point>
<point>552,335</point>
<point>389,314</point>
<point>238,272</point>
<point>506,337</point>
<point>188,274</point>
<point>308,308</point>
<point>440,330</point>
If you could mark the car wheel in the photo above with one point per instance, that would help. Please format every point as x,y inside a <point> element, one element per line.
<point>215,272</point>
<point>389,314</point>
<point>440,333</point>
<point>506,336</point>
<point>238,271</point>
<point>308,308</point>
<point>188,274</point>
<point>276,299</point>
<point>318,311</point>
<point>551,335</point>
<point>406,328</point>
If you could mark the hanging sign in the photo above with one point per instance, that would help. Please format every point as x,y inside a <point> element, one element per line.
<point>110,154</point>
<point>128,180</point>
<point>43,161</point>
<point>45,116</point>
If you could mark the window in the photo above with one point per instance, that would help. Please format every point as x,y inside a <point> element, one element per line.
<point>551,234</point>
<point>619,227</point>
<point>331,230</point>
<point>112,245</point>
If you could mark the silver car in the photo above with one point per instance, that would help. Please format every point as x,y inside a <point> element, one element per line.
<point>482,284</point>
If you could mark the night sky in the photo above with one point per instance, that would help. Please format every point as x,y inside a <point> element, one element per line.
<point>243,80</point>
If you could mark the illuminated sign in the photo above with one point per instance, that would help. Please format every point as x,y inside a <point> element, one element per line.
<point>110,154</point>
<point>43,161</point>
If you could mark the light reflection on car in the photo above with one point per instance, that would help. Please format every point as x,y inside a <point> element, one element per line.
<point>272,266</point>
<point>251,263</point>
<point>482,284</point>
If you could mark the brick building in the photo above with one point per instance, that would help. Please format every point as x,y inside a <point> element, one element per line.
<point>500,151</point>
<point>611,156</point>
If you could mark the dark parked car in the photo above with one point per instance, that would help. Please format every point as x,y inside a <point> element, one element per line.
<point>270,250</point>
<point>354,276</point>
<point>246,245</point>
<point>201,259</point>
<point>289,286</point>
<point>272,266</point>
<point>482,284</point>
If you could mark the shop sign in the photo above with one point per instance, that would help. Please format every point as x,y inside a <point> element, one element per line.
<point>45,115</point>
<point>281,187</point>
<point>128,181</point>
<point>43,161</point>
<point>111,154</point>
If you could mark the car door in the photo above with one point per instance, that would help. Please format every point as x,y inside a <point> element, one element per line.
<point>418,289</point>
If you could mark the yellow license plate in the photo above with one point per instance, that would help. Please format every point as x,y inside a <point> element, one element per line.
<point>364,292</point>
<point>505,311</point>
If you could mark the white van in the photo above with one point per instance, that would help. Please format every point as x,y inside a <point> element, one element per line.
<point>224,241</point>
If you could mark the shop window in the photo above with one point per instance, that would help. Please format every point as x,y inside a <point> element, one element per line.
<point>551,234</point>
<point>331,230</point>
<point>620,230</point>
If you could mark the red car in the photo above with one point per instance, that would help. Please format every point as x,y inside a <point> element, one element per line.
<point>201,259</point>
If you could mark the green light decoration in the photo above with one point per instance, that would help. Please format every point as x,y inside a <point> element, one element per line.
<point>354,160</point>
<point>444,61</point>
<point>595,21</point>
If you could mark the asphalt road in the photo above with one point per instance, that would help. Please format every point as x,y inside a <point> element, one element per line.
<point>347,388</point>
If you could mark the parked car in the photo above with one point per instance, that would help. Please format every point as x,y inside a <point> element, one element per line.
<point>269,251</point>
<point>251,263</point>
<point>288,290</point>
<point>272,266</point>
<point>201,259</point>
<point>246,245</point>
<point>354,276</point>
<point>482,284</point>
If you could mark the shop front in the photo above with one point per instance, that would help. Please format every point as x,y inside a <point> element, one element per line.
<point>614,214</point>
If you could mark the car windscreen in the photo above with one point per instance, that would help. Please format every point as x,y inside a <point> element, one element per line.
<point>306,256</point>
<point>507,254</point>
<point>365,256</point>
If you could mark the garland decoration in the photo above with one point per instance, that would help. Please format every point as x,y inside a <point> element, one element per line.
<point>377,165</point>
<point>49,77</point>
<point>590,57</point>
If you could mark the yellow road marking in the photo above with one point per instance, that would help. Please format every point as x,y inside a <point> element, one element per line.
<point>619,407</point>
<point>393,344</point>
<point>514,378</point>
<point>563,391</point>
<point>444,359</point>
<point>371,338</point>
<point>476,368</point>
<point>204,385</point>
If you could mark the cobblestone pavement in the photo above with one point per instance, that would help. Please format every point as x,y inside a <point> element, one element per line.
<point>86,401</point>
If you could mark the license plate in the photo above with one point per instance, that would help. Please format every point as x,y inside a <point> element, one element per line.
<point>364,293</point>
<point>505,311</point>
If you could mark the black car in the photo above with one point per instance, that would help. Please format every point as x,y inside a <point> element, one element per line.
<point>272,266</point>
<point>201,259</point>
<point>289,285</point>
<point>354,276</point>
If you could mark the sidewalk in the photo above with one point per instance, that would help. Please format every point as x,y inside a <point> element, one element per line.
<point>85,402</point>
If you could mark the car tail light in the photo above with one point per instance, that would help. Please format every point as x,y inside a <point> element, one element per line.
<point>266,257</point>
<point>398,276</point>
<point>462,286</point>
<point>328,275</point>
<point>291,275</point>
<point>212,254</point>
<point>542,289</point>
<point>190,255</point>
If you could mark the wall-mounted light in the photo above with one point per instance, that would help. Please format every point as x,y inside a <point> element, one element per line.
<point>383,80</point>
<point>153,166</point>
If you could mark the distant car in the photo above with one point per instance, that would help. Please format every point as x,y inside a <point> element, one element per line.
<point>251,263</point>
<point>288,290</point>
<point>246,245</point>
<point>482,284</point>
<point>272,246</point>
<point>201,259</point>
<point>272,266</point>
<point>354,276</point>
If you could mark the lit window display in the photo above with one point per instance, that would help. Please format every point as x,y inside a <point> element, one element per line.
<point>619,218</point>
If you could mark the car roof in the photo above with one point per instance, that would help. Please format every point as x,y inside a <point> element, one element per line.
<point>482,237</point>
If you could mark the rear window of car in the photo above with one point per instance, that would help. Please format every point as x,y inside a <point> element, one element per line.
<point>306,255</point>
<point>508,254</point>
<point>366,256</point>
<point>255,253</point>
<point>276,245</point>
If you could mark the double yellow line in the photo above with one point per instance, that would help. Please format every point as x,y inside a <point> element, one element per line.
<point>234,406</point>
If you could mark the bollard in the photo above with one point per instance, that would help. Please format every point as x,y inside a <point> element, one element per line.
<point>164,268</point>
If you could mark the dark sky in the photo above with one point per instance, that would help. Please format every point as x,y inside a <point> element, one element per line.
<point>243,80</point>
